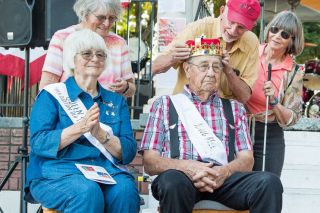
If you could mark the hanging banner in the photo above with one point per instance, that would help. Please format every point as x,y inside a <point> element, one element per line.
<point>168,29</point>
<point>12,63</point>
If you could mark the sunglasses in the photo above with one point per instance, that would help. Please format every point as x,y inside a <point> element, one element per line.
<point>284,34</point>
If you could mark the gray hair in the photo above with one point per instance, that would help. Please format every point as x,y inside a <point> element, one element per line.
<point>77,42</point>
<point>84,7</point>
<point>288,21</point>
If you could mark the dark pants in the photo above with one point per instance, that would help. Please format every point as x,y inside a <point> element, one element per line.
<point>260,192</point>
<point>275,149</point>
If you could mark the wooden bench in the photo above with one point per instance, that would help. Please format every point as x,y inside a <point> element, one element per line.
<point>208,206</point>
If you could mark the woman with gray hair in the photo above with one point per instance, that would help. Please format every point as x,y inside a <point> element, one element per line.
<point>99,16</point>
<point>284,41</point>
<point>78,128</point>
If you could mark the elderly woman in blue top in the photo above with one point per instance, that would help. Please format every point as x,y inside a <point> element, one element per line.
<point>57,143</point>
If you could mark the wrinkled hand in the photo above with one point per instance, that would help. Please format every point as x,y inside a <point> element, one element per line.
<point>210,181</point>
<point>180,52</point>
<point>269,90</point>
<point>119,86</point>
<point>90,120</point>
<point>193,168</point>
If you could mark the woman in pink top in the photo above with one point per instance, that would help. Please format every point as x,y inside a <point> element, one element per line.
<point>99,16</point>
<point>284,40</point>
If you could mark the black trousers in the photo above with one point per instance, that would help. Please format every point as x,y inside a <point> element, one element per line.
<point>275,148</point>
<point>260,192</point>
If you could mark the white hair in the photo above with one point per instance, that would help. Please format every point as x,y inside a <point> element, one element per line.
<point>77,42</point>
<point>84,7</point>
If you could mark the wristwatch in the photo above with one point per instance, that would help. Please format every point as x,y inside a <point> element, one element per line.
<point>107,139</point>
<point>274,102</point>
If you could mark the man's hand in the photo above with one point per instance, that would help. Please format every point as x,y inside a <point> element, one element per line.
<point>210,181</point>
<point>200,174</point>
<point>180,52</point>
<point>225,62</point>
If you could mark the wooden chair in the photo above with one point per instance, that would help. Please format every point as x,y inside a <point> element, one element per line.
<point>45,210</point>
<point>208,206</point>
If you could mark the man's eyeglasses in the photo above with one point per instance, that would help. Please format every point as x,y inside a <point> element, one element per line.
<point>206,67</point>
<point>102,18</point>
<point>88,55</point>
<point>284,34</point>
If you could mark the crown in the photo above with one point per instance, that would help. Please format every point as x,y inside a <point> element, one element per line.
<point>204,46</point>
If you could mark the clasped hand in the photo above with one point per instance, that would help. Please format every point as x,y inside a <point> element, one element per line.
<point>90,122</point>
<point>205,176</point>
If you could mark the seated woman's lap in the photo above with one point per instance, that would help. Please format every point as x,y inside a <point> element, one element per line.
<point>123,196</point>
<point>73,193</point>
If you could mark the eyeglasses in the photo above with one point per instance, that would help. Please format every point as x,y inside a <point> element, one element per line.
<point>284,34</point>
<point>88,55</point>
<point>206,67</point>
<point>102,18</point>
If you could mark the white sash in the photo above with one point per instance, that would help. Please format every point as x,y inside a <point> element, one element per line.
<point>209,147</point>
<point>76,111</point>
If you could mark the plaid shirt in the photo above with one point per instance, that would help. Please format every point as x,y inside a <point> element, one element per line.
<point>156,135</point>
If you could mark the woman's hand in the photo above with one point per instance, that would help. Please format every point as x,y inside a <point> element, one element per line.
<point>90,122</point>
<point>269,90</point>
<point>120,86</point>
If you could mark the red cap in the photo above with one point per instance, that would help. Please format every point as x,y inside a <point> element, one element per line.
<point>245,12</point>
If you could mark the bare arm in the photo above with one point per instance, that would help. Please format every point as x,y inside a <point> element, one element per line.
<point>48,78</point>
<point>283,114</point>
<point>155,164</point>
<point>239,88</point>
<point>176,54</point>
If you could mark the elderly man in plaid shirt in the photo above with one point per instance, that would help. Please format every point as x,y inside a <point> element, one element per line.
<point>192,156</point>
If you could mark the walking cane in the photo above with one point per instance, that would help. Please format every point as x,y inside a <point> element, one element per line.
<point>266,124</point>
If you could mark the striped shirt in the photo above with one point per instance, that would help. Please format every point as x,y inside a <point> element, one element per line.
<point>118,63</point>
<point>157,136</point>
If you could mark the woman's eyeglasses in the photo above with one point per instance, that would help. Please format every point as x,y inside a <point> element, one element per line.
<point>284,34</point>
<point>88,55</point>
<point>102,18</point>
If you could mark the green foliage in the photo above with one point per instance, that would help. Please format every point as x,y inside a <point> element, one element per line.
<point>311,35</point>
<point>132,26</point>
<point>217,5</point>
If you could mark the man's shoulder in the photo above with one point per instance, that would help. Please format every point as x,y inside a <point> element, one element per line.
<point>249,40</point>
<point>204,25</point>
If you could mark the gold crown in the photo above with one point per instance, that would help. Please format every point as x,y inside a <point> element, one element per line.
<point>203,46</point>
